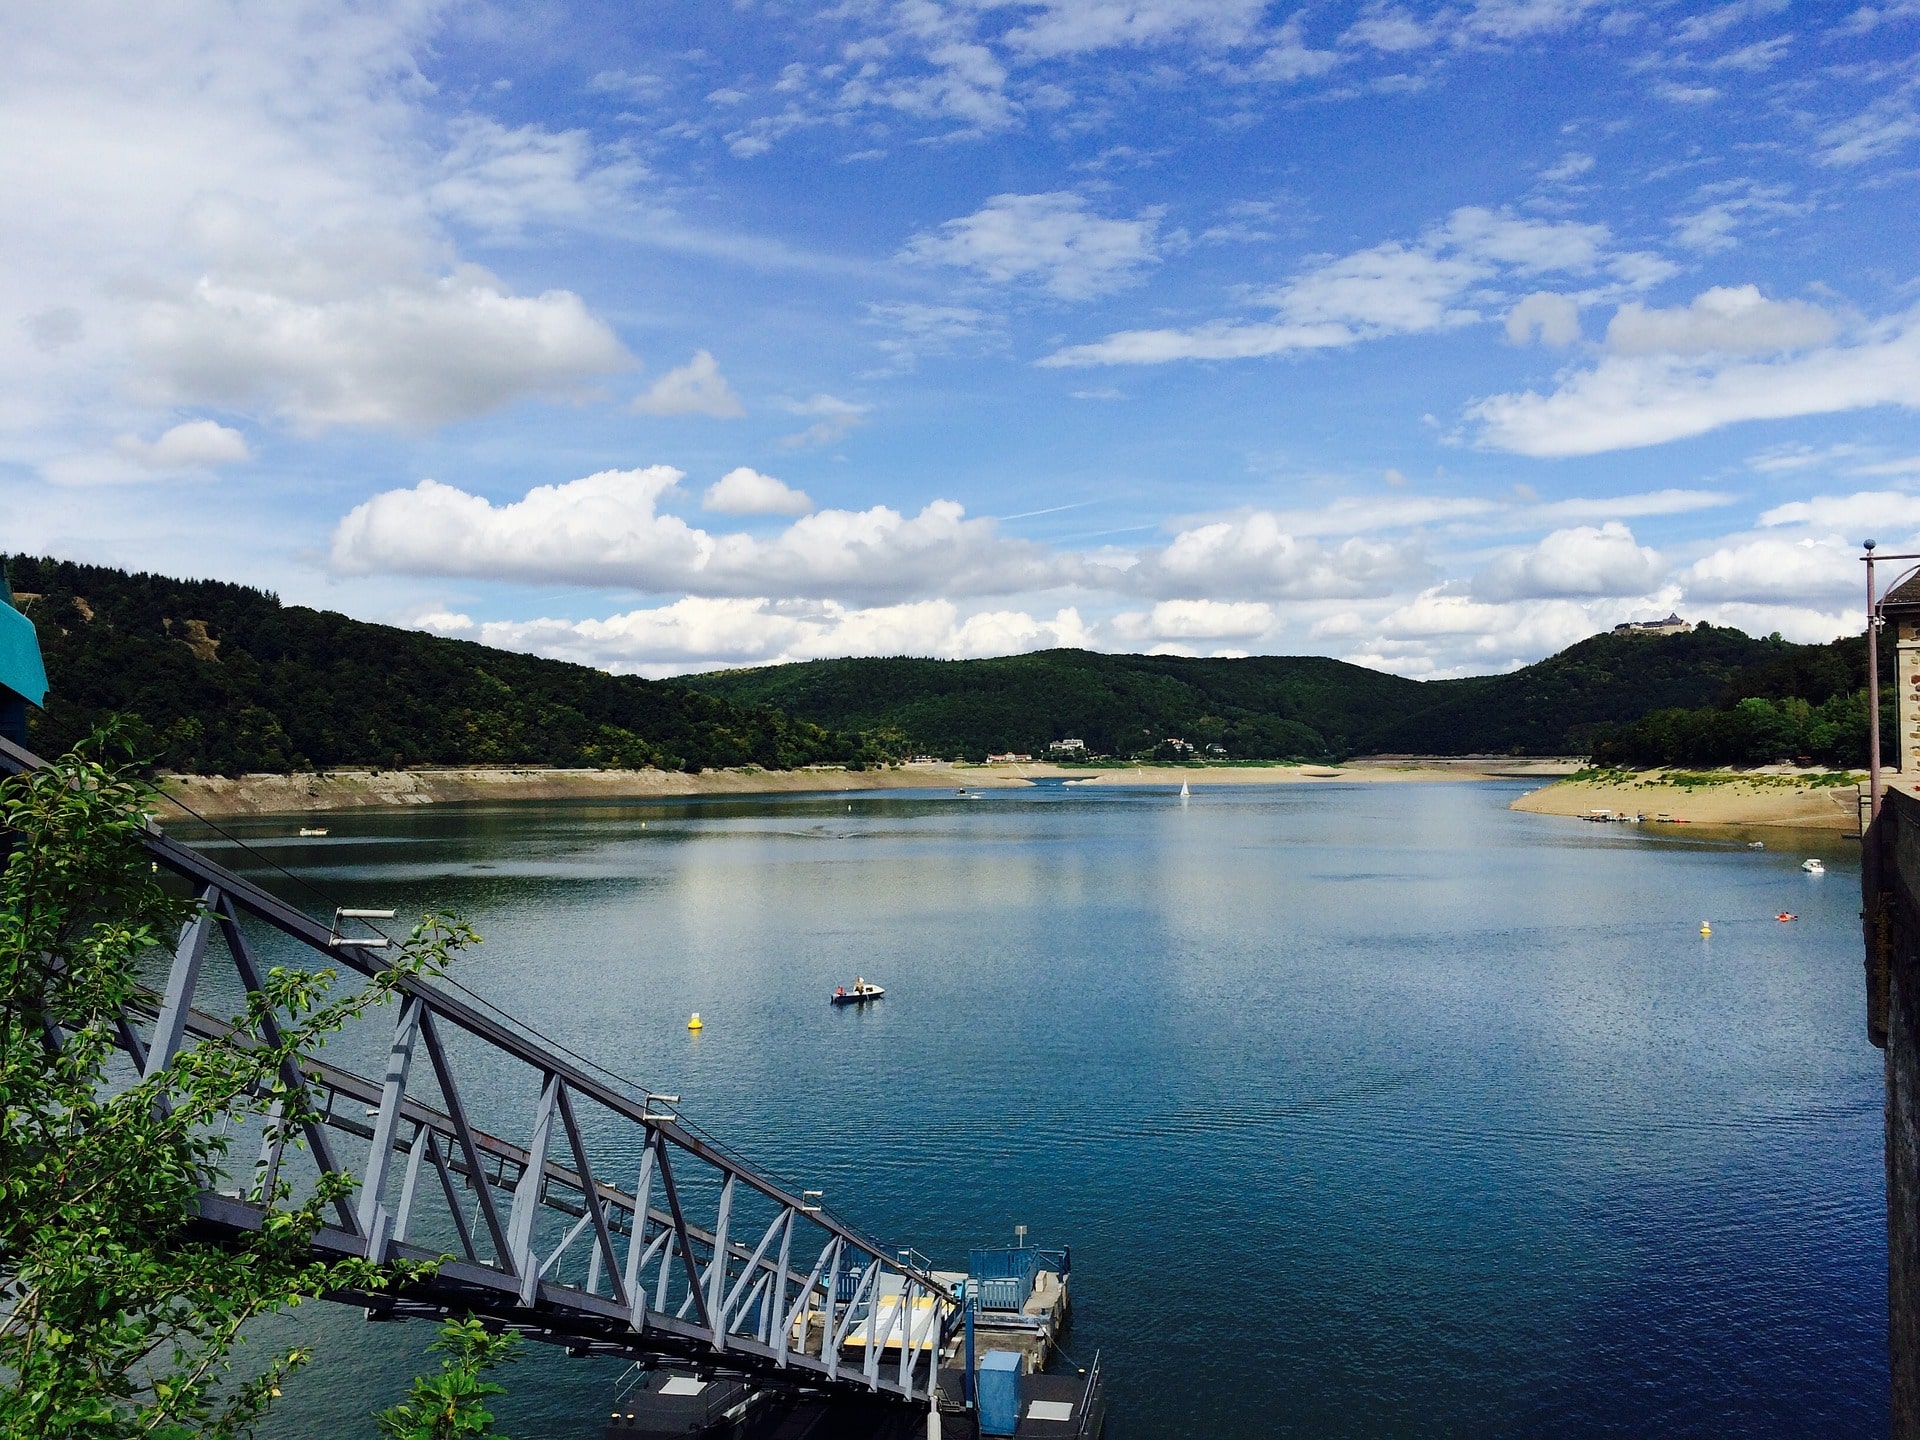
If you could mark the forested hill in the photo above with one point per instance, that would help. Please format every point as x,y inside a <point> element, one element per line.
<point>1264,706</point>
<point>1261,707</point>
<point>223,678</point>
<point>1556,705</point>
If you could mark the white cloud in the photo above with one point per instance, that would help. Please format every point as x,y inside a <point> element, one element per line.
<point>1389,289</point>
<point>1217,340</point>
<point>1570,166</point>
<point>193,444</point>
<point>837,418</point>
<point>1072,27</point>
<point>246,209</point>
<point>698,633</point>
<point>1626,402</point>
<point>1255,555</point>
<point>191,448</point>
<point>1679,94</point>
<point>409,353</point>
<point>1626,507</point>
<point>695,388</point>
<point>1865,515</point>
<point>1728,319</point>
<point>1195,620</point>
<point>743,491</point>
<point>1583,560</point>
<point>1883,129</point>
<point>1772,569</point>
<point>501,180</point>
<point>919,329</point>
<point>1050,240</point>
<point>1714,226</point>
<point>606,530</point>
<point>1395,288</point>
<point>1544,316</point>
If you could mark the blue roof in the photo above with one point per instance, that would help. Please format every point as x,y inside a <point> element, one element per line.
<point>21,670</point>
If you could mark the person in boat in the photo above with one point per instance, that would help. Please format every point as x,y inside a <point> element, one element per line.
<point>839,990</point>
<point>859,984</point>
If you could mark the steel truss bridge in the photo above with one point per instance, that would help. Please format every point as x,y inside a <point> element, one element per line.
<point>580,1229</point>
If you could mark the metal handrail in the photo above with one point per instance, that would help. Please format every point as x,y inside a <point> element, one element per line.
<point>738,1299</point>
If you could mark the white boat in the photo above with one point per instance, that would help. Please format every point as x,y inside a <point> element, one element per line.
<point>1184,792</point>
<point>311,830</point>
<point>861,993</point>
<point>1813,867</point>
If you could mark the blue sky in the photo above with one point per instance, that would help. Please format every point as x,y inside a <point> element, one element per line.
<point>677,335</point>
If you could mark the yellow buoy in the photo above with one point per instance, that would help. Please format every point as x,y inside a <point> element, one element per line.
<point>1705,929</point>
<point>694,1023</point>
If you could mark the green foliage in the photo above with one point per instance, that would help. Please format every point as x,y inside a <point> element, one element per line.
<point>1263,707</point>
<point>121,1319</point>
<point>451,1404</point>
<point>1557,705</point>
<point>1753,731</point>
<point>225,679</point>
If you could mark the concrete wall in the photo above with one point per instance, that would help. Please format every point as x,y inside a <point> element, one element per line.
<point>1890,886</point>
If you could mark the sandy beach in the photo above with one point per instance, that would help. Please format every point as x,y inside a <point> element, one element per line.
<point>215,796</point>
<point>1767,797</point>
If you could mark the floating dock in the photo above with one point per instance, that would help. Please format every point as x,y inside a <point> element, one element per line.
<point>997,1377</point>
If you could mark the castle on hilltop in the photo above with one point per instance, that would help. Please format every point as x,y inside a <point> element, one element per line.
<point>1672,625</point>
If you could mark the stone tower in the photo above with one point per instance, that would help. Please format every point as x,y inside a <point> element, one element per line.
<point>1902,609</point>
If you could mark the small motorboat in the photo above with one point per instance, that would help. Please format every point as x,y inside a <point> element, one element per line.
<point>1813,867</point>
<point>858,994</point>
<point>1785,915</point>
<point>307,831</point>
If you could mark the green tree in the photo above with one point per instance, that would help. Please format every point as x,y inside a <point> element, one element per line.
<point>451,1405</point>
<point>118,1318</point>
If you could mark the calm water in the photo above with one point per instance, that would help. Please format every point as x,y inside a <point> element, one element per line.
<point>1366,1110</point>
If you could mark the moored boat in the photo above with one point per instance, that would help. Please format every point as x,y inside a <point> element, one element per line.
<point>860,993</point>
<point>1813,867</point>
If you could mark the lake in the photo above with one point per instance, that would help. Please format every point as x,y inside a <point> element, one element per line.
<point>1367,1109</point>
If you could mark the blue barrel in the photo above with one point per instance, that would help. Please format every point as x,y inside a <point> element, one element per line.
<point>998,1385</point>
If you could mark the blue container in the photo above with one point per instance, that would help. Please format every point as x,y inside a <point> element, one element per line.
<point>998,1386</point>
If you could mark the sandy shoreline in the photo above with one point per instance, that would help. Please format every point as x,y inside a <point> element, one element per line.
<point>1767,798</point>
<point>215,796</point>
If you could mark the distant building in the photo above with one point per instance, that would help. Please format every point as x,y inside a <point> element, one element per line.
<point>1902,609</point>
<point>1010,758</point>
<point>1672,625</point>
<point>1067,747</point>
<point>1174,742</point>
<point>923,760</point>
<point>1216,750</point>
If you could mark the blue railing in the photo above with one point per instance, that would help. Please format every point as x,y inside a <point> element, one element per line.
<point>1003,1279</point>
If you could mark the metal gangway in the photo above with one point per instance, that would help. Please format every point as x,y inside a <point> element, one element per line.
<point>608,1224</point>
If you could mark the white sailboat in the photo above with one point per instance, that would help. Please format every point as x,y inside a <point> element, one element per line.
<point>1184,792</point>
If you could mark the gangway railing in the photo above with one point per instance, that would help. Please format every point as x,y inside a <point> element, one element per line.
<point>537,1232</point>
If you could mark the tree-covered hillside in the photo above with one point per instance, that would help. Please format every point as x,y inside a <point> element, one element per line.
<point>1267,707</point>
<point>224,678</point>
<point>1270,707</point>
<point>1809,701</point>
<point>1556,705</point>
